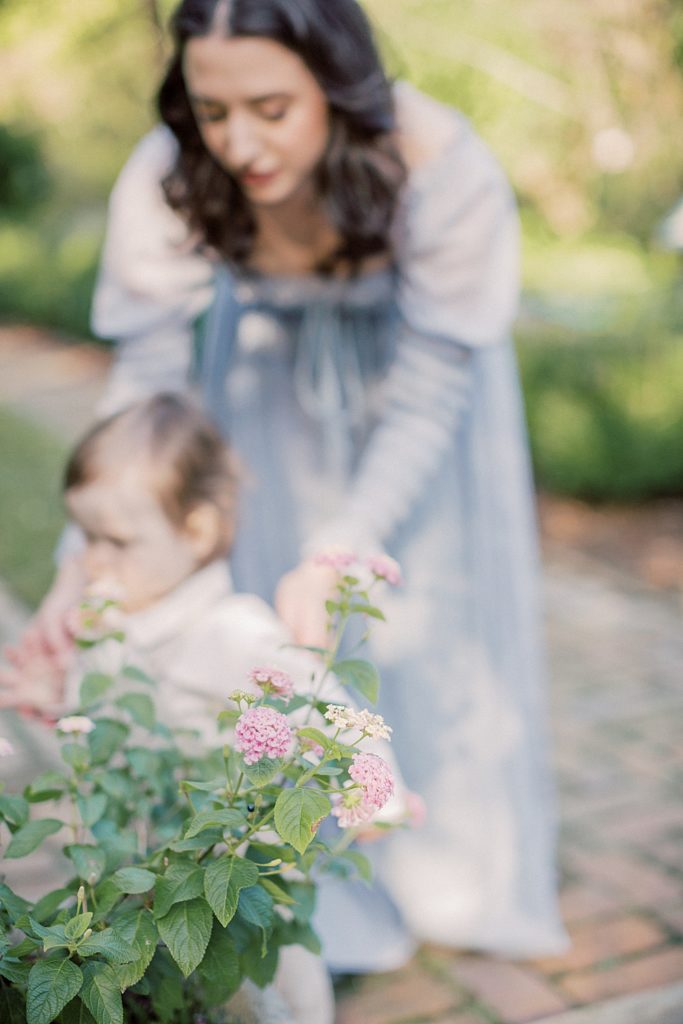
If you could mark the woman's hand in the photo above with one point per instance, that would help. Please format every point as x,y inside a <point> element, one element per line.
<point>300,602</point>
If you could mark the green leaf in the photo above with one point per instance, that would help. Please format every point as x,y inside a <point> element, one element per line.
<point>76,756</point>
<point>14,809</point>
<point>107,737</point>
<point>76,1012</point>
<point>224,879</point>
<point>93,688</point>
<point>210,786</point>
<point>109,944</point>
<point>137,928</point>
<point>219,971</point>
<point>367,609</point>
<point>215,818</point>
<point>293,933</point>
<point>77,925</point>
<point>117,785</point>
<point>107,896</point>
<point>227,719</point>
<point>316,735</point>
<point>182,881</point>
<point>91,808</point>
<point>131,672</point>
<point>16,971</point>
<point>89,861</point>
<point>11,1006</point>
<point>277,891</point>
<point>186,930</point>
<point>30,836</point>
<point>146,764</point>
<point>167,989</point>
<point>263,772</point>
<point>361,675</point>
<point>140,707</point>
<point>101,993</point>
<point>256,907</point>
<point>51,985</point>
<point>209,837</point>
<point>46,786</point>
<point>360,862</point>
<point>13,904</point>
<point>297,814</point>
<point>134,880</point>
<point>49,904</point>
<point>53,937</point>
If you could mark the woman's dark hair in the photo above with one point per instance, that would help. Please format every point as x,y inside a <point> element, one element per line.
<point>361,173</point>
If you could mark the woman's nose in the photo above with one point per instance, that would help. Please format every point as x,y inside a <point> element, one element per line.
<point>241,142</point>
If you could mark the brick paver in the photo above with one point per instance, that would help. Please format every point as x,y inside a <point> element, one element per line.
<point>616,658</point>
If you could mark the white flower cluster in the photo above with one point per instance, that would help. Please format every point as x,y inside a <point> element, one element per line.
<point>365,721</point>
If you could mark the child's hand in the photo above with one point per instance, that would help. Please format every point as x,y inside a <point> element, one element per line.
<point>33,680</point>
<point>300,601</point>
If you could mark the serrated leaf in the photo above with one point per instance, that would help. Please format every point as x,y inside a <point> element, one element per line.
<point>107,737</point>
<point>263,772</point>
<point>76,1012</point>
<point>224,879</point>
<point>219,971</point>
<point>256,906</point>
<point>107,896</point>
<point>77,925</point>
<point>109,944</point>
<point>215,818</point>
<point>210,786</point>
<point>138,929</point>
<point>11,1006</point>
<point>53,937</point>
<point>101,993</point>
<point>361,675</point>
<point>209,837</point>
<point>91,808</point>
<point>93,687</point>
<point>316,735</point>
<point>182,881</point>
<point>76,756</point>
<point>49,904</point>
<point>30,836</point>
<point>51,985</point>
<point>16,971</point>
<point>140,707</point>
<point>279,894</point>
<point>186,930</point>
<point>132,672</point>
<point>46,786</point>
<point>14,809</point>
<point>368,609</point>
<point>360,863</point>
<point>89,861</point>
<point>297,814</point>
<point>134,880</point>
<point>13,904</point>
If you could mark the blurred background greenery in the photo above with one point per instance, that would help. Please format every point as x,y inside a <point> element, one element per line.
<point>581,102</point>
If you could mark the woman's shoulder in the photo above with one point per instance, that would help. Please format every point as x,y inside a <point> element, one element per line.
<point>436,139</point>
<point>151,158</point>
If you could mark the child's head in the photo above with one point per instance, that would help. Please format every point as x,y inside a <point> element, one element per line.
<point>153,489</point>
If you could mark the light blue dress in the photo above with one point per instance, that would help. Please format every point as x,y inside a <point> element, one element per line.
<point>385,411</point>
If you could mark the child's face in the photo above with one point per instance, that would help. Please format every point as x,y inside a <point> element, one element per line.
<point>129,539</point>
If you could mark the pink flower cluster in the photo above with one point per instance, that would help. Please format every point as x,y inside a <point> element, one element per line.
<point>336,558</point>
<point>385,568</point>
<point>382,567</point>
<point>351,810</point>
<point>262,732</point>
<point>273,680</point>
<point>373,774</point>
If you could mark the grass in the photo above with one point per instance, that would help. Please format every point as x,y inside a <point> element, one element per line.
<point>32,463</point>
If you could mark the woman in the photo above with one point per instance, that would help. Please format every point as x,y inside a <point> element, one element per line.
<point>356,247</point>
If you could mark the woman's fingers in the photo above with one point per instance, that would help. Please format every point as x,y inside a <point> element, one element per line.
<point>300,602</point>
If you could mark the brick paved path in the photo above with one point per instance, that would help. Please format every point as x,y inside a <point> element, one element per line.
<point>616,653</point>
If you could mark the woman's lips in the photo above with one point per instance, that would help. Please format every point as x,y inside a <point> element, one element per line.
<point>252,178</point>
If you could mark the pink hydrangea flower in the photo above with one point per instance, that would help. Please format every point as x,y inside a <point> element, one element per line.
<point>336,557</point>
<point>262,732</point>
<point>97,618</point>
<point>373,774</point>
<point>385,568</point>
<point>352,809</point>
<point>273,680</point>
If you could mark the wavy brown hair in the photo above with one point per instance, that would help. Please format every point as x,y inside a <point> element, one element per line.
<point>361,172</point>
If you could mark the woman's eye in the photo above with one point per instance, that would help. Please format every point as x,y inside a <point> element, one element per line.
<point>209,115</point>
<point>273,113</point>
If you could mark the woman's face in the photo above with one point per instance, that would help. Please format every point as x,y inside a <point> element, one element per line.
<point>260,111</point>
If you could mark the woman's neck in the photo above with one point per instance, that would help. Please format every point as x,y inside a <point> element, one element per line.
<point>293,237</point>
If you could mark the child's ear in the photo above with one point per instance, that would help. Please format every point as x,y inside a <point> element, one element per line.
<point>203,527</point>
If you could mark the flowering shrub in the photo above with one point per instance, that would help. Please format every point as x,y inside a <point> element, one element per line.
<point>189,873</point>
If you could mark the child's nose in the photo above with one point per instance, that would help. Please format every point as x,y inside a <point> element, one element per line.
<point>97,559</point>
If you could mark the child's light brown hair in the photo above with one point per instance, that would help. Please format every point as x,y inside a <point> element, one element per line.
<point>188,461</point>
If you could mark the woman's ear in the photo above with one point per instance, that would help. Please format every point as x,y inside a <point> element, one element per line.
<point>204,528</point>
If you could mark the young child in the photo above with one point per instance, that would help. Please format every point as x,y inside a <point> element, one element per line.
<point>153,490</point>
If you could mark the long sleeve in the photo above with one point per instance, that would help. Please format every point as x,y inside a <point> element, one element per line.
<point>152,284</point>
<point>457,247</point>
